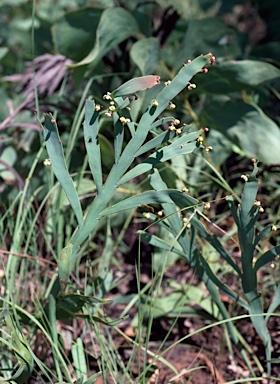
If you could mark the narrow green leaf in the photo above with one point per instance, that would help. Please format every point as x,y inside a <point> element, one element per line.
<point>22,352</point>
<point>137,171</point>
<point>158,242</point>
<point>274,304</point>
<point>190,254</point>
<point>65,264</point>
<point>93,378</point>
<point>69,305</point>
<point>92,143</point>
<point>58,164</point>
<point>256,308</point>
<point>206,273</point>
<point>158,140</point>
<point>233,210</point>
<point>173,89</point>
<point>121,104</point>
<point>248,219</point>
<point>267,257</point>
<point>163,120</point>
<point>79,358</point>
<point>151,197</point>
<point>216,245</point>
<point>79,381</point>
<point>135,85</point>
<point>181,146</point>
<point>106,151</point>
<point>174,217</point>
<point>118,136</point>
<point>186,143</point>
<point>261,235</point>
<point>109,323</point>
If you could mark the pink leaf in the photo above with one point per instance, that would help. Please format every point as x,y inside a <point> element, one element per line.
<point>137,84</point>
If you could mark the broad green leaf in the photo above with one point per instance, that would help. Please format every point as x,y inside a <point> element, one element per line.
<point>270,49</point>
<point>8,156</point>
<point>45,10</point>
<point>161,259</point>
<point>115,25</point>
<point>74,33</point>
<point>208,35</point>
<point>54,148</point>
<point>246,126</point>
<point>223,147</point>
<point>145,54</point>
<point>3,52</point>
<point>232,75</point>
<point>206,4</point>
<point>251,72</point>
<point>186,9</point>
